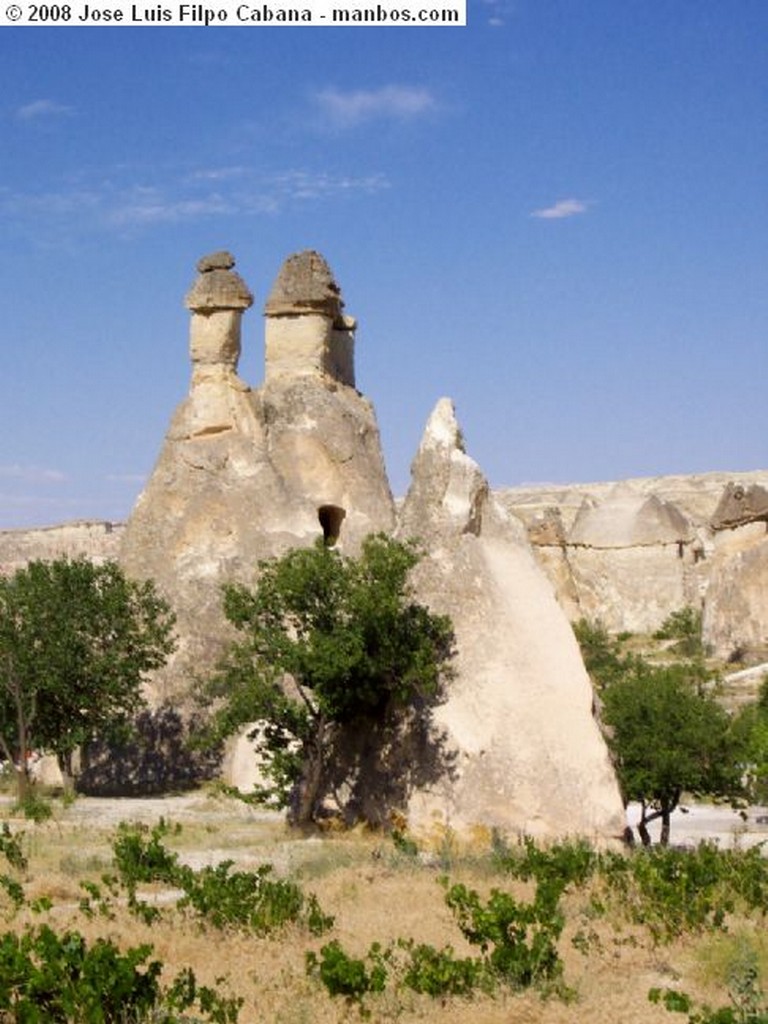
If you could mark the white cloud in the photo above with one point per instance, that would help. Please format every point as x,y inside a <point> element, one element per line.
<point>396,102</point>
<point>43,108</point>
<point>130,199</point>
<point>32,474</point>
<point>561,209</point>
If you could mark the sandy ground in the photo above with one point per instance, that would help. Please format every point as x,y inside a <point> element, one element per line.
<point>374,896</point>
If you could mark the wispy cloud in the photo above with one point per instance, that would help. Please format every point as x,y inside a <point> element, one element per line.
<point>561,209</point>
<point>32,474</point>
<point>43,108</point>
<point>393,102</point>
<point>131,199</point>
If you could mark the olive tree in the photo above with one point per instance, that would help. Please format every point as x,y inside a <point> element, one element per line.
<point>330,648</point>
<point>76,641</point>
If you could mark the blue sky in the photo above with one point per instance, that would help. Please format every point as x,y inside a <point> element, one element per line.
<point>557,216</point>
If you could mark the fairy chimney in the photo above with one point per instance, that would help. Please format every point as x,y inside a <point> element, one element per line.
<point>306,331</point>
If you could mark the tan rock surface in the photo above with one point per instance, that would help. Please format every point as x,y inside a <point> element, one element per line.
<point>244,474</point>
<point>529,755</point>
<point>96,540</point>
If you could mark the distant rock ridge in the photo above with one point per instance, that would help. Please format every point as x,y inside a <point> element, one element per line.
<point>630,553</point>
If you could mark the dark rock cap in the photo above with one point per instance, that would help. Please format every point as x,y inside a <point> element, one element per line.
<point>740,505</point>
<point>217,285</point>
<point>305,284</point>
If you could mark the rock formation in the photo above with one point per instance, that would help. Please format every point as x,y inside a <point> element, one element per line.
<point>735,623</point>
<point>246,474</point>
<point>629,554</point>
<point>528,754</point>
<point>739,506</point>
<point>95,540</point>
<point>615,547</point>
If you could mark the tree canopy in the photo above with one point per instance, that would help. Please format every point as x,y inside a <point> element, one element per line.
<point>332,648</point>
<point>669,736</point>
<point>76,640</point>
<point>666,731</point>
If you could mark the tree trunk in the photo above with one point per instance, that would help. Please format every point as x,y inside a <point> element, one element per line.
<point>645,835</point>
<point>22,781</point>
<point>642,826</point>
<point>665,823</point>
<point>67,771</point>
<point>308,790</point>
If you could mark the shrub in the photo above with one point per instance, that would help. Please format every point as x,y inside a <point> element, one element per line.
<point>46,978</point>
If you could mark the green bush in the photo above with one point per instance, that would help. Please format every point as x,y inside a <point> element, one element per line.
<point>518,940</point>
<point>217,895</point>
<point>46,978</point>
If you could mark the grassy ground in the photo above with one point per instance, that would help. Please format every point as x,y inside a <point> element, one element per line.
<point>376,892</point>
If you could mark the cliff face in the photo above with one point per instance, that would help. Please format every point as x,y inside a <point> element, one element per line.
<point>628,554</point>
<point>90,539</point>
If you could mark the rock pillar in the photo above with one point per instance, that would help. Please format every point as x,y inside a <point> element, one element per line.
<point>217,300</point>
<point>306,332</point>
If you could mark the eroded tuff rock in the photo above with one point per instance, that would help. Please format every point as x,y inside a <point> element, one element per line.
<point>528,755</point>
<point>740,505</point>
<point>735,625</point>
<point>245,474</point>
<point>617,546</point>
<point>736,608</point>
<point>95,540</point>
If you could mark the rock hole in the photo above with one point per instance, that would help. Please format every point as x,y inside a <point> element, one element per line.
<point>331,517</point>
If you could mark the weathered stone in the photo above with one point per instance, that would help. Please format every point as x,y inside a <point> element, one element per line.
<point>221,260</point>
<point>740,505</point>
<point>305,284</point>
<point>218,286</point>
<point>247,474</point>
<point>306,333</point>
<point>627,519</point>
<point>547,529</point>
<point>528,755</point>
<point>735,624</point>
<point>97,541</point>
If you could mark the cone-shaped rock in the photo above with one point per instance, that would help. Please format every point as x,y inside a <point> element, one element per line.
<point>529,756</point>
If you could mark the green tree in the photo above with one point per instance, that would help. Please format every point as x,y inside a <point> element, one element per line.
<point>333,648</point>
<point>668,736</point>
<point>603,657</point>
<point>76,640</point>
<point>751,725</point>
<point>684,628</point>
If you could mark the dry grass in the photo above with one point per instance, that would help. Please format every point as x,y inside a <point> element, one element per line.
<point>375,893</point>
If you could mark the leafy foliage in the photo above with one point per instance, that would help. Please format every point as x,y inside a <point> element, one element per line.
<point>669,736</point>
<point>332,647</point>
<point>518,940</point>
<point>751,727</point>
<point>684,627</point>
<point>218,896</point>
<point>347,976</point>
<point>47,978</point>
<point>76,640</point>
<point>603,656</point>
